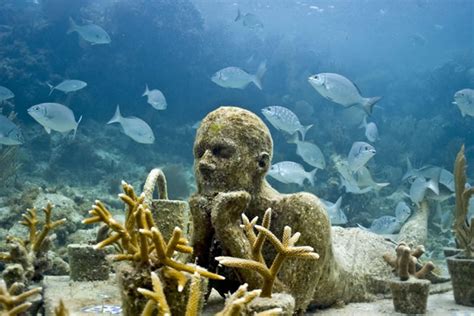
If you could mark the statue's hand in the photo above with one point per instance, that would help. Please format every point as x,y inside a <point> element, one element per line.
<point>228,207</point>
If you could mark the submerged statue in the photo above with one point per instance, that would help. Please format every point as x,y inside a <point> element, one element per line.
<point>233,152</point>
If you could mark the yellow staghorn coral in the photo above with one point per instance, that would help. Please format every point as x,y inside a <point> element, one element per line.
<point>156,298</point>
<point>194,301</point>
<point>463,230</point>
<point>237,302</point>
<point>12,302</point>
<point>285,249</point>
<point>404,264</point>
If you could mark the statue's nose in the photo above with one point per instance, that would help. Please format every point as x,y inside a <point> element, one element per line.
<point>205,163</point>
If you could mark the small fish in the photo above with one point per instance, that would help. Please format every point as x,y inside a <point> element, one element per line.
<point>309,152</point>
<point>135,128</point>
<point>419,186</point>
<point>291,172</point>
<point>371,130</point>
<point>402,211</point>
<point>155,98</point>
<point>68,86</point>
<point>236,78</point>
<point>103,309</point>
<point>91,33</point>
<point>359,154</point>
<point>336,214</point>
<point>384,225</point>
<point>248,20</point>
<point>55,116</point>
<point>346,177</point>
<point>10,134</point>
<point>284,119</point>
<point>339,89</point>
<point>5,94</point>
<point>364,179</point>
<point>446,178</point>
<point>464,99</point>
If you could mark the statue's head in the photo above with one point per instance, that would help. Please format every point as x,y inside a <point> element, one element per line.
<point>232,151</point>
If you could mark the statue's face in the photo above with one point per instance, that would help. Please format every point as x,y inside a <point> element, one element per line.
<point>222,164</point>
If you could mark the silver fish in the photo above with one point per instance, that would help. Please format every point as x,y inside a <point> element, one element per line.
<point>360,153</point>
<point>155,98</point>
<point>339,89</point>
<point>5,94</point>
<point>347,178</point>
<point>385,225</point>
<point>352,187</point>
<point>371,130</point>
<point>67,86</point>
<point>91,33</point>
<point>309,152</point>
<point>284,119</point>
<point>55,116</point>
<point>402,211</point>
<point>446,178</point>
<point>464,99</point>
<point>249,20</point>
<point>135,128</point>
<point>10,134</point>
<point>419,186</point>
<point>364,179</point>
<point>236,78</point>
<point>291,172</point>
<point>336,214</point>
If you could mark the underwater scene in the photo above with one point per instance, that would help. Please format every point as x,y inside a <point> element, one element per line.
<point>236,157</point>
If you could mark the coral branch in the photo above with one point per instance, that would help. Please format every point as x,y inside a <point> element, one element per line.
<point>12,303</point>
<point>156,298</point>
<point>404,264</point>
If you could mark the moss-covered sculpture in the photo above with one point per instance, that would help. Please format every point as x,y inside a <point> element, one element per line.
<point>285,249</point>
<point>141,243</point>
<point>405,262</point>
<point>27,258</point>
<point>13,300</point>
<point>463,229</point>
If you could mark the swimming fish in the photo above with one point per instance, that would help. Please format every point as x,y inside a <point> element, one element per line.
<point>236,78</point>
<point>346,177</point>
<point>364,179</point>
<point>5,94</point>
<point>291,172</point>
<point>446,178</point>
<point>135,128</point>
<point>155,98</point>
<point>67,86</point>
<point>91,33</point>
<point>339,89</point>
<point>352,187</point>
<point>249,20</point>
<point>10,133</point>
<point>371,130</point>
<point>309,152</point>
<point>419,186</point>
<point>385,225</point>
<point>336,214</point>
<point>402,211</point>
<point>284,119</point>
<point>464,99</point>
<point>360,153</point>
<point>55,116</point>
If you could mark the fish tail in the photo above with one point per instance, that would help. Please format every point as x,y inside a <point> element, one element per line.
<point>51,88</point>
<point>338,203</point>
<point>75,129</point>
<point>72,26</point>
<point>238,17</point>
<point>146,90</point>
<point>303,131</point>
<point>257,78</point>
<point>294,138</point>
<point>433,183</point>
<point>369,103</point>
<point>117,116</point>
<point>364,122</point>
<point>312,176</point>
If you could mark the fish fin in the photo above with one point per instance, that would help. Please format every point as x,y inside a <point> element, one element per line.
<point>369,103</point>
<point>146,90</point>
<point>294,139</point>
<point>239,15</point>
<point>364,122</point>
<point>381,185</point>
<point>75,129</point>
<point>117,116</point>
<point>409,171</point>
<point>311,176</point>
<point>47,129</point>
<point>257,78</point>
<point>433,183</point>
<point>303,131</point>
<point>51,88</point>
<point>362,227</point>
<point>454,102</point>
<point>462,113</point>
<point>338,203</point>
<point>72,26</point>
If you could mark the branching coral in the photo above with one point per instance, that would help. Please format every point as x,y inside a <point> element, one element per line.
<point>404,264</point>
<point>463,230</point>
<point>13,302</point>
<point>140,241</point>
<point>285,249</point>
<point>28,258</point>
<point>156,298</point>
<point>61,310</point>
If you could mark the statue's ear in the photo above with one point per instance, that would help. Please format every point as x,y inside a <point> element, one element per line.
<point>263,161</point>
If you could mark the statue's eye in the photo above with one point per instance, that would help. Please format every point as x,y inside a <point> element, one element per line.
<point>222,151</point>
<point>198,151</point>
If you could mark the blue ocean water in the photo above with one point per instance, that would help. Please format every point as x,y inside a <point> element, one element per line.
<point>415,54</point>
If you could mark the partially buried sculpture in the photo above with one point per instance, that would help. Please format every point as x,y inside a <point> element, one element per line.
<point>233,151</point>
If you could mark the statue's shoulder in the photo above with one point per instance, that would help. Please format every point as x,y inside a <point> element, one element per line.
<point>302,203</point>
